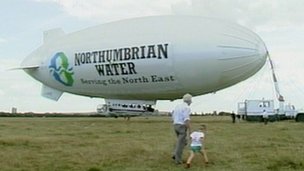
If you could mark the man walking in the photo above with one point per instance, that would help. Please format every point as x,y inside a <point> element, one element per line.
<point>181,123</point>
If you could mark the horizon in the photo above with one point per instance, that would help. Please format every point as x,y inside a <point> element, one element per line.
<point>279,25</point>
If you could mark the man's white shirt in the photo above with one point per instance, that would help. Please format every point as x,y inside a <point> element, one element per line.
<point>181,113</point>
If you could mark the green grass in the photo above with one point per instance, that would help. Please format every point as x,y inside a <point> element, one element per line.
<point>141,144</point>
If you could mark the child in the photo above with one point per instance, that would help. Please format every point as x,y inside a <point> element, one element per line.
<point>197,138</point>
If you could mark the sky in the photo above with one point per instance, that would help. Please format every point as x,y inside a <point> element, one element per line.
<point>279,23</point>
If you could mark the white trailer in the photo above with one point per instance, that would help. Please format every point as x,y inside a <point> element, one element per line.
<point>253,109</point>
<point>256,107</point>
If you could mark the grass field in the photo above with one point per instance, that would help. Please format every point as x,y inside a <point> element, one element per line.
<point>145,144</point>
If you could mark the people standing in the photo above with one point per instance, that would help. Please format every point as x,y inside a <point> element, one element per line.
<point>238,116</point>
<point>265,117</point>
<point>233,117</point>
<point>181,124</point>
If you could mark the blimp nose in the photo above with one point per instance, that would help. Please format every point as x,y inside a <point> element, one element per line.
<point>242,57</point>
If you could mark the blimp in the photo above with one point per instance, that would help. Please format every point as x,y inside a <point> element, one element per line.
<point>132,63</point>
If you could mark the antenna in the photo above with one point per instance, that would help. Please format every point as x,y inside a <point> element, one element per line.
<point>275,80</point>
<point>276,86</point>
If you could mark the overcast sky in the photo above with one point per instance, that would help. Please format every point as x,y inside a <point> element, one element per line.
<point>280,23</point>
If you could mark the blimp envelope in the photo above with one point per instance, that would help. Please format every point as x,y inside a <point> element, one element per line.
<point>148,58</point>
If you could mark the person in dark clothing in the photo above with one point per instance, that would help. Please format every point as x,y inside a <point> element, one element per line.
<point>233,117</point>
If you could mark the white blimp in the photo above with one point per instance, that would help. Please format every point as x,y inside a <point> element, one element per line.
<point>132,63</point>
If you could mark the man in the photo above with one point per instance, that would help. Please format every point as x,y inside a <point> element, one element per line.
<point>181,123</point>
<point>233,117</point>
<point>265,117</point>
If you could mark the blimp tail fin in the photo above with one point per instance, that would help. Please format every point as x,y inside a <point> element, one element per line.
<point>50,93</point>
<point>52,35</point>
<point>30,67</point>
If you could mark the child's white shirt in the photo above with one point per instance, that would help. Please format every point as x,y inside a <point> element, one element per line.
<point>196,138</point>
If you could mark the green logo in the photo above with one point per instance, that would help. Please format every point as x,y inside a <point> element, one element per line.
<point>59,68</point>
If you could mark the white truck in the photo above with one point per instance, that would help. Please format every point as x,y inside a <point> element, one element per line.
<point>253,110</point>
